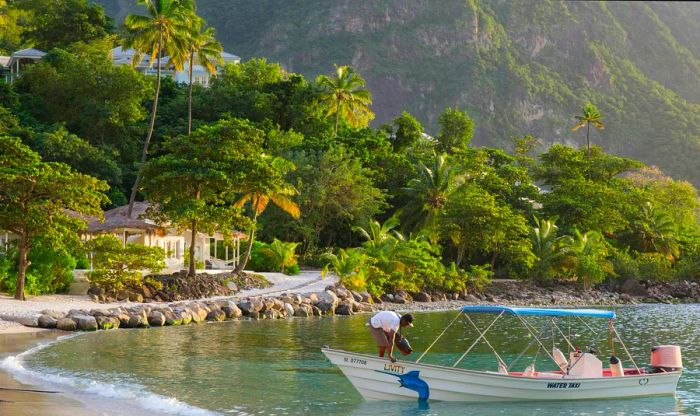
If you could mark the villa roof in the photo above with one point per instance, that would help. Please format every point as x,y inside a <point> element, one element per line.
<point>230,57</point>
<point>117,218</point>
<point>28,53</point>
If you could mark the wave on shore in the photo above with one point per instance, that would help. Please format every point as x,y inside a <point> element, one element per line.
<point>123,394</point>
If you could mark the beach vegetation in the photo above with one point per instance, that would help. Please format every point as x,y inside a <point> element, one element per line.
<point>117,266</point>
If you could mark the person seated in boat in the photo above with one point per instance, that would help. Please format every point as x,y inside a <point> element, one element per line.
<point>384,326</point>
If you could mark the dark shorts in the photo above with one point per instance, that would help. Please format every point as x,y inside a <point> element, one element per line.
<point>380,337</point>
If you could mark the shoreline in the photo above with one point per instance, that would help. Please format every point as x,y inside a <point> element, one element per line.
<point>18,398</point>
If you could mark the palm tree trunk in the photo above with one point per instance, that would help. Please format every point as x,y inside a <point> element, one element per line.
<point>337,118</point>
<point>22,267</point>
<point>193,240</point>
<point>189,105</point>
<point>241,265</point>
<point>144,153</point>
<point>588,139</point>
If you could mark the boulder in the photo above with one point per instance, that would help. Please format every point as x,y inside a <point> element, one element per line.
<point>196,317</point>
<point>407,296</point>
<point>366,297</point>
<point>232,286</point>
<point>135,297</point>
<point>313,298</point>
<point>288,309</point>
<point>122,294</point>
<point>356,296</point>
<point>156,318</point>
<point>86,322</point>
<point>342,293</point>
<point>46,321</point>
<point>185,315</point>
<point>66,324</point>
<point>387,297</point>
<point>422,297</point>
<point>344,308</point>
<point>633,287</point>
<point>54,314</point>
<point>278,305</point>
<point>316,311</point>
<point>365,307</point>
<point>231,310</point>
<point>249,307</point>
<point>216,315</point>
<point>304,311</point>
<point>271,314</point>
<point>32,321</point>
<point>123,320</point>
<point>172,318</point>
<point>107,322</point>
<point>326,307</point>
<point>97,291</point>
<point>399,299</point>
<point>471,298</point>
<point>137,320</point>
<point>328,297</point>
<point>146,292</point>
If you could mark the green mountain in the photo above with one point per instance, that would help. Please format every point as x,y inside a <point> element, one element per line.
<point>518,67</point>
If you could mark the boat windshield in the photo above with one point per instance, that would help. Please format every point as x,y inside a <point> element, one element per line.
<point>588,313</point>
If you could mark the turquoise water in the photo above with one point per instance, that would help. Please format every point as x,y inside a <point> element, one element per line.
<point>276,368</point>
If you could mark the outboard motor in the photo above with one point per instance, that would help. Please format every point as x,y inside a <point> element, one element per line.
<point>666,358</point>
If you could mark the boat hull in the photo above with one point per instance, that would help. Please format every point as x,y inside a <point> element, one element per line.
<point>378,379</point>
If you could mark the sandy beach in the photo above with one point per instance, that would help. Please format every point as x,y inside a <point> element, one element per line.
<point>19,399</point>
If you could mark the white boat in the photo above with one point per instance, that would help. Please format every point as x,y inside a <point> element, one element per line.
<point>377,378</point>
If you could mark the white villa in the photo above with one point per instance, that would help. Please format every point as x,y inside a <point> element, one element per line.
<point>140,230</point>
<point>11,66</point>
<point>200,75</point>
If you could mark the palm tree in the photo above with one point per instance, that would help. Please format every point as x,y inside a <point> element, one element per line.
<point>430,189</point>
<point>656,233</point>
<point>378,234</point>
<point>204,50</point>
<point>259,198</point>
<point>165,29</point>
<point>281,254</point>
<point>549,248</point>
<point>590,114</point>
<point>349,266</point>
<point>345,95</point>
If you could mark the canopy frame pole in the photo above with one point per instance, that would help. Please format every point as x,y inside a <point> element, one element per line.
<point>481,335</point>
<point>568,341</point>
<point>527,326</point>
<point>530,344</point>
<point>625,348</point>
<point>439,336</point>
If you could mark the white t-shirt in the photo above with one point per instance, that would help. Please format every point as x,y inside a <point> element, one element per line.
<point>386,320</point>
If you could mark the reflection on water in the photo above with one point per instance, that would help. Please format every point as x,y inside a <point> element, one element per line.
<point>275,367</point>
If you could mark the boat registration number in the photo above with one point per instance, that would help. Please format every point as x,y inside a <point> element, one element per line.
<point>355,361</point>
<point>563,385</point>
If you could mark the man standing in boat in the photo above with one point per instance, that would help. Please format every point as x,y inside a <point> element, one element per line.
<point>384,325</point>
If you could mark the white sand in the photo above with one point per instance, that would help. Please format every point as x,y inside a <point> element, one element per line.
<point>14,312</point>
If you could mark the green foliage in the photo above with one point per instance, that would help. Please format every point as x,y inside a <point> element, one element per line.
<point>281,255</point>
<point>258,261</point>
<point>117,267</point>
<point>344,95</point>
<point>456,130</point>
<point>39,200</point>
<point>59,23</point>
<point>349,265</point>
<point>50,271</point>
<point>404,132</point>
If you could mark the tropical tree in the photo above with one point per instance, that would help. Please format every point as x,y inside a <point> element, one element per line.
<point>42,200</point>
<point>267,186</point>
<point>586,257</point>
<point>590,114</point>
<point>281,254</point>
<point>345,95</point>
<point>199,195</point>
<point>349,266</point>
<point>655,232</point>
<point>456,130</point>
<point>430,189</point>
<point>165,29</point>
<point>378,234</point>
<point>201,49</point>
<point>548,247</point>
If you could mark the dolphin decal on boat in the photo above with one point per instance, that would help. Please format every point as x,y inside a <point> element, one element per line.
<point>412,381</point>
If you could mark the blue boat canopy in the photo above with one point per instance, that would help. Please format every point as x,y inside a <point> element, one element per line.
<point>588,313</point>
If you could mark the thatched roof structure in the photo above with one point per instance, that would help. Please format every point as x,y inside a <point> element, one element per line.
<point>117,218</point>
